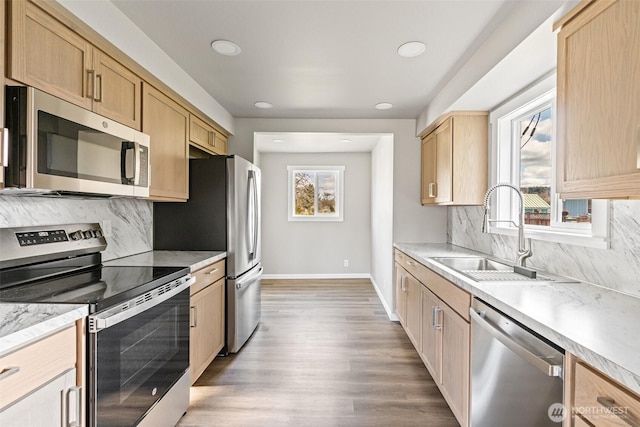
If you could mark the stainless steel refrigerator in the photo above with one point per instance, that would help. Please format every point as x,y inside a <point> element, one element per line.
<point>222,213</point>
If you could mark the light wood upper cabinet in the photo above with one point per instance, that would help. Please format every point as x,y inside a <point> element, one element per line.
<point>454,165</point>
<point>48,55</point>
<point>598,98</point>
<point>206,137</point>
<point>207,318</point>
<point>167,124</point>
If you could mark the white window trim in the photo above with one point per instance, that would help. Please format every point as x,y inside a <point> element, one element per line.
<point>503,165</point>
<point>339,216</point>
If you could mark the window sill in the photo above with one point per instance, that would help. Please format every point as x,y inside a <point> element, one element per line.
<point>555,236</point>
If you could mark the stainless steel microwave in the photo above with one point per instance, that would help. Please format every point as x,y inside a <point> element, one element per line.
<point>55,146</point>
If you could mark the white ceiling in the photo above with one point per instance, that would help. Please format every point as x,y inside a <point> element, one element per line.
<point>318,59</point>
<point>315,142</point>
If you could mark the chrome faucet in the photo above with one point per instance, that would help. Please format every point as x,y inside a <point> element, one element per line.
<point>523,253</point>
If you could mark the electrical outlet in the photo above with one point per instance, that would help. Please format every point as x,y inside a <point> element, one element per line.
<point>106,228</point>
<point>346,263</point>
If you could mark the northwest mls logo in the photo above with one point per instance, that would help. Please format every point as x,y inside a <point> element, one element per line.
<point>557,412</point>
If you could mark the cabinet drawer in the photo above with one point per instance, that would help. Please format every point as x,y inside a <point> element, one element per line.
<point>36,364</point>
<point>456,298</point>
<point>400,258</point>
<point>602,402</point>
<point>208,275</point>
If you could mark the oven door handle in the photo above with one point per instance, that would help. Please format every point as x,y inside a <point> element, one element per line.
<point>113,316</point>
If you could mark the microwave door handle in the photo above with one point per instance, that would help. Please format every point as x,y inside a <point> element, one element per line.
<point>138,162</point>
<point>4,148</point>
<point>124,156</point>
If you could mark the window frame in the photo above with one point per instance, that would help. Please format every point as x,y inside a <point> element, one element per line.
<point>339,197</point>
<point>505,167</point>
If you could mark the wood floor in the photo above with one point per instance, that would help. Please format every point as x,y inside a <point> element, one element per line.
<point>325,354</point>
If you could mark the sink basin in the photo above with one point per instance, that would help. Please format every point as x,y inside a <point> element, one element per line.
<point>474,264</point>
<point>487,270</point>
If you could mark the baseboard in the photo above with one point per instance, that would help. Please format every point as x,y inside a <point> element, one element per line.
<point>315,276</point>
<point>390,313</point>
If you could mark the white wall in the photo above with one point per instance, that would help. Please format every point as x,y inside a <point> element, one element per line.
<point>382,221</point>
<point>316,249</point>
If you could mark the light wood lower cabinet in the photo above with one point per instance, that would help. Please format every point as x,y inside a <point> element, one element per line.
<point>594,399</point>
<point>401,294</point>
<point>39,383</point>
<point>443,334</point>
<point>167,123</point>
<point>207,318</point>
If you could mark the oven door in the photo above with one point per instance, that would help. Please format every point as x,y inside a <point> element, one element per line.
<point>134,362</point>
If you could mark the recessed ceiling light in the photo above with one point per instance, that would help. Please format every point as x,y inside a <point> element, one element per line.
<point>278,140</point>
<point>411,49</point>
<point>263,104</point>
<point>225,47</point>
<point>383,106</point>
<point>345,140</point>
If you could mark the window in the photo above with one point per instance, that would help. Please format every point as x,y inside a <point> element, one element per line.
<point>523,138</point>
<point>315,193</point>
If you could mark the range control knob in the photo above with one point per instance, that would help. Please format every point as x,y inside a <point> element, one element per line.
<point>76,235</point>
<point>88,234</point>
<point>98,233</point>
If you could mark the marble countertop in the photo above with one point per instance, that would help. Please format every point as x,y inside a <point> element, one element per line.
<point>597,324</point>
<point>23,324</point>
<point>193,259</point>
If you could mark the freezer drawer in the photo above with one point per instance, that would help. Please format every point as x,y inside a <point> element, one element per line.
<point>243,307</point>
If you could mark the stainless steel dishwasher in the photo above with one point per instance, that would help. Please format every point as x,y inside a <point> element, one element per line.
<point>517,377</point>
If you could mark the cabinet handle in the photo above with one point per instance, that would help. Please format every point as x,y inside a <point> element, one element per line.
<point>435,324</point>
<point>638,149</point>
<point>403,285</point>
<point>212,139</point>
<point>194,315</point>
<point>411,263</point>
<point>6,373</point>
<point>91,83</point>
<point>78,408</point>
<point>100,89</point>
<point>215,270</point>
<point>433,189</point>
<point>620,411</point>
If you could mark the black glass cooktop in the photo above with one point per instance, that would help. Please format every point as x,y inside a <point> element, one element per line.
<point>98,286</point>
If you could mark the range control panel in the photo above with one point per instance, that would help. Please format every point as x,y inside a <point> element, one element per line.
<point>24,245</point>
<point>41,237</point>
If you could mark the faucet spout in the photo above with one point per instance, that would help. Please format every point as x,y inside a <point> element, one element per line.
<point>523,253</point>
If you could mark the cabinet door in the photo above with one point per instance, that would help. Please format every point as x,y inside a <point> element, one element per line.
<point>201,134</point>
<point>46,54</point>
<point>599,102</point>
<point>2,142</point>
<point>431,336</point>
<point>428,170</point>
<point>401,294</point>
<point>118,91</point>
<point>220,144</point>
<point>414,311</point>
<point>167,123</point>
<point>55,404</point>
<point>207,327</point>
<point>455,363</point>
<point>444,162</point>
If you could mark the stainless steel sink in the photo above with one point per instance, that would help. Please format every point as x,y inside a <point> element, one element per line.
<point>474,264</point>
<point>487,270</point>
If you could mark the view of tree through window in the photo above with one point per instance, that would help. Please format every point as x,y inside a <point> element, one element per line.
<point>535,133</point>
<point>315,191</point>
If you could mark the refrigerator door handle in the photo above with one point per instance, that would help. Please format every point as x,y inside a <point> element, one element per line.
<point>256,217</point>
<point>250,278</point>
<point>252,231</point>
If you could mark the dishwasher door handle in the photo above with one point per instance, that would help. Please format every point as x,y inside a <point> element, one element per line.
<point>550,369</point>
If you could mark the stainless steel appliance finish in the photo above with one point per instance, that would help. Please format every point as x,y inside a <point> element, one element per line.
<point>516,376</point>
<point>222,213</point>
<point>138,325</point>
<point>54,146</point>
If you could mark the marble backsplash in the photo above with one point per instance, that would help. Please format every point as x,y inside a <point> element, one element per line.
<point>131,219</point>
<point>616,268</point>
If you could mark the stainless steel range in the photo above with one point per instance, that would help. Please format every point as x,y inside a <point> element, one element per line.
<point>138,327</point>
